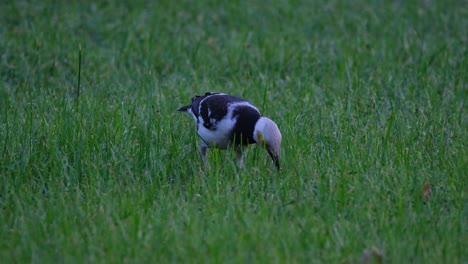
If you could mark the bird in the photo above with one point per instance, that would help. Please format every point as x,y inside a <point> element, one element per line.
<point>225,121</point>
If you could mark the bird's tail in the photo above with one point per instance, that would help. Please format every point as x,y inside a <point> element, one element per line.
<point>184,108</point>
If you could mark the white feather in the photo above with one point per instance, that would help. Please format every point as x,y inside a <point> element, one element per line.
<point>220,138</point>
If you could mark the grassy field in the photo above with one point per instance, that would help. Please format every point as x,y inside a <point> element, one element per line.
<point>370,96</point>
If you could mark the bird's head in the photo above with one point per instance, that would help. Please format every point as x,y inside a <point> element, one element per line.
<point>267,134</point>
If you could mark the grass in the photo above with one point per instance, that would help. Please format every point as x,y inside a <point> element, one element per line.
<point>370,97</point>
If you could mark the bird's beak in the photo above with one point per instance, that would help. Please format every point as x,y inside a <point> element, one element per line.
<point>275,158</point>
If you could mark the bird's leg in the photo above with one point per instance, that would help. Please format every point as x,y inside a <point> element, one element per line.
<point>239,155</point>
<point>203,148</point>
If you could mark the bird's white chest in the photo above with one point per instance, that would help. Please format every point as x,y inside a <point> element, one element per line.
<point>221,136</point>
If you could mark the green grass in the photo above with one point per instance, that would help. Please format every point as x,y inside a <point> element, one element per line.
<point>370,96</point>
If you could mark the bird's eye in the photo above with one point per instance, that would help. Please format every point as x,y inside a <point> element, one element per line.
<point>260,137</point>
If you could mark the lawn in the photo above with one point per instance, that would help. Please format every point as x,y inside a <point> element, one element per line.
<point>370,96</point>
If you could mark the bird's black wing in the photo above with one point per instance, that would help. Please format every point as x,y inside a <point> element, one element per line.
<point>214,108</point>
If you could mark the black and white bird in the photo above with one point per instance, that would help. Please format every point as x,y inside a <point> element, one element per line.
<point>225,121</point>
